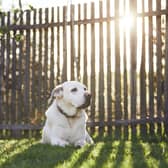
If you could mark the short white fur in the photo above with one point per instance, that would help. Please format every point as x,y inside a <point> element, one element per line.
<point>61,130</point>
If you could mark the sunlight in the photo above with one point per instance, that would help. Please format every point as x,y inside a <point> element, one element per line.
<point>127,21</point>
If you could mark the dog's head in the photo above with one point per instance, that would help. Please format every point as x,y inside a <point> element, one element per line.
<point>72,93</point>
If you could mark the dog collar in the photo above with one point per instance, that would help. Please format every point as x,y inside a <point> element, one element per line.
<point>65,114</point>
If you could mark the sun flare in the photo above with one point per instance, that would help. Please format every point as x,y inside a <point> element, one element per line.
<point>127,21</point>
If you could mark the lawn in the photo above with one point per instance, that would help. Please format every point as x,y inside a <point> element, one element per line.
<point>106,153</point>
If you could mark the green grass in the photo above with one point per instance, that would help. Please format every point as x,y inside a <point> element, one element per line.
<point>106,153</point>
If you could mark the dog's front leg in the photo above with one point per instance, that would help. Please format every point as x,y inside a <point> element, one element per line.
<point>59,142</point>
<point>89,139</point>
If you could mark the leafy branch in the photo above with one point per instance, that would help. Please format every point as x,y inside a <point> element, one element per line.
<point>18,12</point>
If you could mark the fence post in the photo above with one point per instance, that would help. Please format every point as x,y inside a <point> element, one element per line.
<point>40,83</point>
<point>117,71</point>
<point>143,78</point>
<point>78,60</point>
<point>64,68</point>
<point>34,66</point>
<point>52,58</point>
<point>27,75</point>
<point>58,47</point>
<point>159,79</point>
<point>151,73</point>
<point>133,82</point>
<point>2,49</point>
<point>93,83</point>
<point>101,72</point>
<point>72,38</point>
<point>125,78</point>
<point>45,63</point>
<point>109,71</point>
<point>85,72</point>
<point>13,94</point>
<point>166,78</point>
<point>8,72</point>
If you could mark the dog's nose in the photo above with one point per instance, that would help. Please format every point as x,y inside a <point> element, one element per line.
<point>88,95</point>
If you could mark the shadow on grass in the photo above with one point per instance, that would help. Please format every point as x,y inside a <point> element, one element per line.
<point>120,154</point>
<point>162,149</point>
<point>82,157</point>
<point>138,155</point>
<point>103,155</point>
<point>39,156</point>
<point>111,153</point>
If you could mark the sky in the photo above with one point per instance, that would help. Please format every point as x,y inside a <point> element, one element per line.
<point>6,5</point>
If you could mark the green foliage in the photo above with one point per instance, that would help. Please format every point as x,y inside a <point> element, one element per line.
<point>106,153</point>
<point>3,30</point>
<point>19,14</point>
<point>18,37</point>
<point>31,7</point>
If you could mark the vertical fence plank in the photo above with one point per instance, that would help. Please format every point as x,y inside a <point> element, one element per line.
<point>151,73</point>
<point>2,55</point>
<point>85,72</point>
<point>2,88</point>
<point>117,71</point>
<point>72,44</point>
<point>27,74</point>
<point>133,83</point>
<point>143,78</point>
<point>93,82</point>
<point>109,71</point>
<point>34,67</point>
<point>166,77</point>
<point>1,81</point>
<point>8,63</point>
<point>45,66</point>
<point>40,63</point>
<point>20,76</point>
<point>13,94</point>
<point>64,69</point>
<point>125,87</point>
<point>52,60</point>
<point>58,46</point>
<point>159,68</point>
<point>101,73</point>
<point>79,45</point>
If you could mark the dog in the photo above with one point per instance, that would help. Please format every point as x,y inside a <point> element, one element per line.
<point>66,117</point>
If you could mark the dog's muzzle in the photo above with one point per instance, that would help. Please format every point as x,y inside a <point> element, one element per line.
<point>87,100</point>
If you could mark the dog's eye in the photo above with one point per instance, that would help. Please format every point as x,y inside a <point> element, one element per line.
<point>85,89</point>
<point>74,90</point>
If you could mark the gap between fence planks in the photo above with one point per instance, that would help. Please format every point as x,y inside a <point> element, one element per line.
<point>52,52</point>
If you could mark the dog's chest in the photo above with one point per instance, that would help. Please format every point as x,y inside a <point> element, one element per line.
<point>72,127</point>
<point>74,123</point>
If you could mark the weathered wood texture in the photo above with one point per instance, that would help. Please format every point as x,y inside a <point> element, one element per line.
<point>122,59</point>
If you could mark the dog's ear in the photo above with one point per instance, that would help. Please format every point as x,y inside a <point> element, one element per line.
<point>57,93</point>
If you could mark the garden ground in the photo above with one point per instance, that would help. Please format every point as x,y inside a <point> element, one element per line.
<point>106,153</point>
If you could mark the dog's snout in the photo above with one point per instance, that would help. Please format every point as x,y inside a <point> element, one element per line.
<point>88,95</point>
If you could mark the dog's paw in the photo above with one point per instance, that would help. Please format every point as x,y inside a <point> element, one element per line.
<point>80,143</point>
<point>59,142</point>
<point>44,141</point>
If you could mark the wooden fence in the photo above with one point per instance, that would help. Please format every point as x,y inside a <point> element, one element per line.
<point>118,48</point>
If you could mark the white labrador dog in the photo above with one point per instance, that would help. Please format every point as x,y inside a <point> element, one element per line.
<point>66,116</point>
